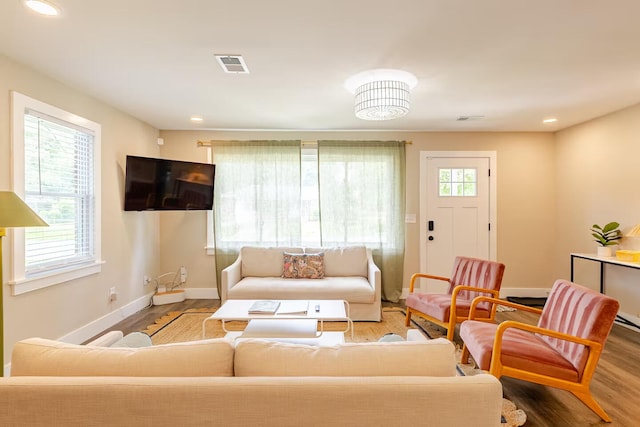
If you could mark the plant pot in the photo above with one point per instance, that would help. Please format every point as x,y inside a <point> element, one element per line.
<point>605,251</point>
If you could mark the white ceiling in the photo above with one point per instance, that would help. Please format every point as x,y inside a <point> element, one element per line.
<point>515,62</point>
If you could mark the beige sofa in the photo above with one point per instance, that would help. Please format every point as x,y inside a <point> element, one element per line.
<point>251,383</point>
<point>350,275</point>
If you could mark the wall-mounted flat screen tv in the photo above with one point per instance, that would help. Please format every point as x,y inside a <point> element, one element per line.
<point>167,185</point>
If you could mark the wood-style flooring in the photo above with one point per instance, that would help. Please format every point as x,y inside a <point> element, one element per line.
<point>616,383</point>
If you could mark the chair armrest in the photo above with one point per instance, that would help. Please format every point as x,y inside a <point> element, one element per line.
<point>502,327</point>
<point>498,301</point>
<point>459,288</point>
<point>595,348</point>
<point>425,276</point>
<point>374,276</point>
<point>229,277</point>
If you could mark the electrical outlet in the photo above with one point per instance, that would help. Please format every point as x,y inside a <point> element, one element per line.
<point>183,274</point>
<point>113,295</point>
<point>146,280</point>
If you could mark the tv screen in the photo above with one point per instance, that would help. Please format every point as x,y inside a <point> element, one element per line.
<point>167,185</point>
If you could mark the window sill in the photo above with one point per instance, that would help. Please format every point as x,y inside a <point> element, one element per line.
<point>22,286</point>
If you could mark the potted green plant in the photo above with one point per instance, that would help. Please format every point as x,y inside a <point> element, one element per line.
<point>606,237</point>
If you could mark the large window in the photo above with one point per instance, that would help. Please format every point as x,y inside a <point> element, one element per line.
<point>329,193</point>
<point>57,172</point>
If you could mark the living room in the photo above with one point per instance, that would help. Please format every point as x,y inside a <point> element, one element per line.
<point>553,182</point>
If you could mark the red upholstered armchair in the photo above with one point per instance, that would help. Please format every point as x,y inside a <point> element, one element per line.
<point>562,351</point>
<point>471,277</point>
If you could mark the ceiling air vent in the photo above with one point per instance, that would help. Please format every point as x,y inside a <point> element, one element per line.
<point>232,64</point>
<point>467,118</point>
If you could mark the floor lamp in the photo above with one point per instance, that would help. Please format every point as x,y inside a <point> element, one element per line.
<point>13,213</point>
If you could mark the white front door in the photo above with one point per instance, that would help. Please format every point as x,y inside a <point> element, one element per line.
<point>457,211</point>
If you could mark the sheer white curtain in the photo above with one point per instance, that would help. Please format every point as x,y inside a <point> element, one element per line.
<point>257,196</point>
<point>362,201</point>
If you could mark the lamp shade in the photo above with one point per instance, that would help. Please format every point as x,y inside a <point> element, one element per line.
<point>16,213</point>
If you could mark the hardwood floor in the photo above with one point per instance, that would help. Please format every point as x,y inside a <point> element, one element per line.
<point>616,383</point>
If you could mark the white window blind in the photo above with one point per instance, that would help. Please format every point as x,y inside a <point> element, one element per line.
<point>59,186</point>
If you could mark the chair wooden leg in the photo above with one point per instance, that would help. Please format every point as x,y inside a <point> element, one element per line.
<point>451,331</point>
<point>464,357</point>
<point>407,320</point>
<point>587,399</point>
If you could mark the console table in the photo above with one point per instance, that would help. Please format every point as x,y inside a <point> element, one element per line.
<point>603,261</point>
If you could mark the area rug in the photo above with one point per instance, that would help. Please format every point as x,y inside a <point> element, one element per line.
<point>181,326</point>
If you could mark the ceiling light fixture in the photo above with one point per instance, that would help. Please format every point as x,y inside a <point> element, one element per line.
<point>196,119</point>
<point>550,120</point>
<point>381,94</point>
<point>43,7</point>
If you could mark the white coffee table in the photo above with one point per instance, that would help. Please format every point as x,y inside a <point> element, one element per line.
<point>296,327</point>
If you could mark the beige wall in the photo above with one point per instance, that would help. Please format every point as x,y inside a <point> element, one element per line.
<point>130,242</point>
<point>526,198</point>
<point>597,166</point>
<point>551,188</point>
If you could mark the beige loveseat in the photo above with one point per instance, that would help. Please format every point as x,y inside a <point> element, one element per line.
<point>251,383</point>
<point>349,274</point>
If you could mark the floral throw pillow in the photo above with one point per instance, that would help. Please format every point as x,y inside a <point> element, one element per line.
<point>303,266</point>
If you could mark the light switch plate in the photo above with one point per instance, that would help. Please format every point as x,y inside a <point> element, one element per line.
<point>410,218</point>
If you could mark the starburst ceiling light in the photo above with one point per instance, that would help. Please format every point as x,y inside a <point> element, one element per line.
<point>381,94</point>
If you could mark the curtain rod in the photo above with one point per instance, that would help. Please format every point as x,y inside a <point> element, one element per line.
<point>213,142</point>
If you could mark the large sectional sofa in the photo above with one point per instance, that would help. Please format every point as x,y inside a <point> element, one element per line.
<point>349,274</point>
<point>249,383</point>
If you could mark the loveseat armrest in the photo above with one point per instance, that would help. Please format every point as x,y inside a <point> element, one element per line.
<point>374,275</point>
<point>229,277</point>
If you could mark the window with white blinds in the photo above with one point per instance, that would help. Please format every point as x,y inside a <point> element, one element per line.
<point>56,170</point>
<point>59,187</point>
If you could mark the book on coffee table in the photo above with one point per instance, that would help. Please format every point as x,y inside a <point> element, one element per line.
<point>293,307</point>
<point>264,307</point>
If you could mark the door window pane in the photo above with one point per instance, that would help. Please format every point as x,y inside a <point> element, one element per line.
<point>458,182</point>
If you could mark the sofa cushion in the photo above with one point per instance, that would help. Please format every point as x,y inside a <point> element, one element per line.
<point>267,358</point>
<point>303,266</point>
<point>343,261</point>
<point>351,289</point>
<point>42,357</point>
<point>263,262</point>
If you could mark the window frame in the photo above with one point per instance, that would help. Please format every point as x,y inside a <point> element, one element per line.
<point>19,282</point>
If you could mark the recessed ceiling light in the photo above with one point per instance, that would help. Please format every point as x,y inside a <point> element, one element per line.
<point>43,7</point>
<point>196,119</point>
<point>550,120</point>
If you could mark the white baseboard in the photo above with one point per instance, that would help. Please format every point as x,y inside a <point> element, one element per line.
<point>93,328</point>
<point>631,318</point>
<point>524,292</point>
<point>202,293</point>
<point>505,292</point>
